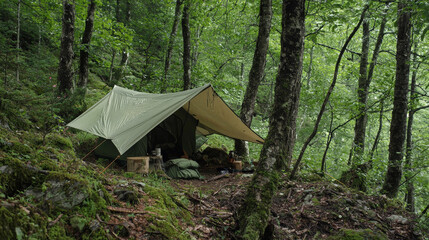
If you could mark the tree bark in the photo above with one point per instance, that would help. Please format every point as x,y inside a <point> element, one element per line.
<point>186,32</point>
<point>328,94</point>
<point>365,79</point>
<point>256,72</point>
<point>18,36</point>
<point>86,40</point>
<point>171,45</point>
<point>119,71</point>
<point>65,71</point>
<point>358,147</point>
<point>277,150</point>
<point>400,102</point>
<point>377,136</point>
<point>409,142</point>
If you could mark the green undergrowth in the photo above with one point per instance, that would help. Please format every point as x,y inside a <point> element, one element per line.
<point>360,234</point>
<point>41,163</point>
<point>168,215</point>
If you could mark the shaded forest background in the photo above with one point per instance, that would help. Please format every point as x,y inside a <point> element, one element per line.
<point>140,45</point>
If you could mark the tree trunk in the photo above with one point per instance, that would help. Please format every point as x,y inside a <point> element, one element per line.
<point>377,136</point>
<point>409,142</point>
<point>365,79</point>
<point>256,72</point>
<point>171,45</point>
<point>119,71</point>
<point>358,147</point>
<point>328,94</point>
<point>86,40</point>
<point>18,33</point>
<point>186,46</point>
<point>65,71</point>
<point>254,212</point>
<point>400,102</point>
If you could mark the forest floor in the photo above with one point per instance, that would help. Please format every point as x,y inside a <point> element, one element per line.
<point>300,210</point>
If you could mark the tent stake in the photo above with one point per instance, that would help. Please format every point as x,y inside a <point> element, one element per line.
<point>110,164</point>
<point>93,149</point>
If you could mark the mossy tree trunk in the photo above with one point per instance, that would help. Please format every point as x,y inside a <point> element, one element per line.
<point>409,196</point>
<point>170,46</point>
<point>65,71</point>
<point>400,103</point>
<point>254,212</point>
<point>86,40</point>
<point>256,72</point>
<point>358,147</point>
<point>186,33</point>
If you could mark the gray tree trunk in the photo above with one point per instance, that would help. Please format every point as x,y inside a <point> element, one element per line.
<point>358,147</point>
<point>186,32</point>
<point>119,71</point>
<point>256,72</point>
<point>409,142</point>
<point>65,71</point>
<point>254,212</point>
<point>171,45</point>
<point>86,40</point>
<point>18,36</point>
<point>400,103</point>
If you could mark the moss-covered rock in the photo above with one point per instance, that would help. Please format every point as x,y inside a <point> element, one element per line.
<point>359,234</point>
<point>16,176</point>
<point>166,216</point>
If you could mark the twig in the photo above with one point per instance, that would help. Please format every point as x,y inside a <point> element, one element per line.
<point>226,185</point>
<point>217,177</point>
<point>56,220</point>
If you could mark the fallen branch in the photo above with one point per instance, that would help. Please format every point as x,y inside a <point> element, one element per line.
<point>217,177</point>
<point>55,221</point>
<point>226,185</point>
<point>126,210</point>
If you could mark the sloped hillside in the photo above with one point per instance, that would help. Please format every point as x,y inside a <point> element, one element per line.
<point>47,192</point>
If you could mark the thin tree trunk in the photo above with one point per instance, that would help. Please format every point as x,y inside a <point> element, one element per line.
<point>256,72</point>
<point>328,143</point>
<point>195,52</point>
<point>119,71</point>
<point>400,103</point>
<point>377,136</point>
<point>112,62</point>
<point>254,212</point>
<point>358,146</point>
<point>310,67</point>
<point>360,127</point>
<point>328,94</point>
<point>86,40</point>
<point>171,45</point>
<point>409,142</point>
<point>186,32</point>
<point>65,71</point>
<point>18,36</point>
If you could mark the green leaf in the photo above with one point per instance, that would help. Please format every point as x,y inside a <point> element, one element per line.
<point>19,233</point>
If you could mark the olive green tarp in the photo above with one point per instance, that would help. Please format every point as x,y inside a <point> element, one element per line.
<point>125,116</point>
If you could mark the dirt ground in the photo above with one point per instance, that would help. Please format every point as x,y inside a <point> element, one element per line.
<point>300,210</point>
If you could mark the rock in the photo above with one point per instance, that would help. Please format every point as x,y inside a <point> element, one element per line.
<point>94,225</point>
<point>139,184</point>
<point>64,194</point>
<point>126,196</point>
<point>397,219</point>
<point>6,169</point>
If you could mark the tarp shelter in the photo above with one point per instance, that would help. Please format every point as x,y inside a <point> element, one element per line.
<point>135,122</point>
